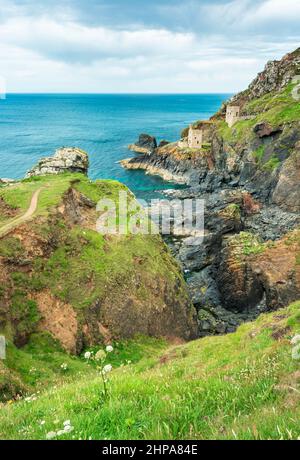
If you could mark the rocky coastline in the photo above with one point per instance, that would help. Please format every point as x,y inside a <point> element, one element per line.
<point>249,176</point>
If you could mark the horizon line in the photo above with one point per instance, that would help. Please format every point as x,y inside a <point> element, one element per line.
<point>113,94</point>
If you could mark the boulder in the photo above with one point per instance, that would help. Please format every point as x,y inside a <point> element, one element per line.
<point>66,159</point>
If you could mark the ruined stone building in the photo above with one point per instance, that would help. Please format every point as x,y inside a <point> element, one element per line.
<point>232,114</point>
<point>195,138</point>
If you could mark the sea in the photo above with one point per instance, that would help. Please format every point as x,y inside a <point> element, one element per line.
<point>35,125</point>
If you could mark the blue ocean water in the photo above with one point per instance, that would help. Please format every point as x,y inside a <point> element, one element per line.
<point>34,125</point>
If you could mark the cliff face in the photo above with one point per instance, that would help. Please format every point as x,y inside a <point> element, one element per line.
<point>248,175</point>
<point>58,274</point>
<point>276,76</point>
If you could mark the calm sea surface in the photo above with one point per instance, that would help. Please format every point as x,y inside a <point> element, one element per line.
<point>34,125</point>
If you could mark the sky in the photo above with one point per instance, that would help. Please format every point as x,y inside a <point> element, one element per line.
<point>142,46</point>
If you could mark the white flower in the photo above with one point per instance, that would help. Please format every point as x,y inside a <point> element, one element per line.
<point>43,422</point>
<point>295,339</point>
<point>60,432</point>
<point>296,352</point>
<point>51,435</point>
<point>109,349</point>
<point>100,355</point>
<point>67,423</point>
<point>64,366</point>
<point>106,369</point>
<point>68,429</point>
<point>87,355</point>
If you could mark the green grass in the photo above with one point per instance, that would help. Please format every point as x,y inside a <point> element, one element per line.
<point>19,196</point>
<point>239,386</point>
<point>86,277</point>
<point>247,243</point>
<point>272,164</point>
<point>83,268</point>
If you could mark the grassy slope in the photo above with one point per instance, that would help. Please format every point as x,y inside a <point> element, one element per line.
<point>275,108</point>
<point>74,260</point>
<point>243,385</point>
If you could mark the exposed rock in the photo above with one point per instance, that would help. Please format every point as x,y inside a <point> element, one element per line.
<point>101,287</point>
<point>265,129</point>
<point>163,143</point>
<point>173,164</point>
<point>66,159</point>
<point>165,173</point>
<point>287,191</point>
<point>249,177</point>
<point>275,76</point>
<point>239,286</point>
<point>278,269</point>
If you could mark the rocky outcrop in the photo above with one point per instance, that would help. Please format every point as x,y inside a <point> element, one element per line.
<point>275,76</point>
<point>66,159</point>
<point>287,190</point>
<point>173,164</point>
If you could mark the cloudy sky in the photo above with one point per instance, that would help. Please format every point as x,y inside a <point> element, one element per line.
<point>142,45</point>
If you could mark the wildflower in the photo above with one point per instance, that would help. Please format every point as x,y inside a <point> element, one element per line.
<point>64,366</point>
<point>68,429</point>
<point>67,423</point>
<point>109,349</point>
<point>295,339</point>
<point>51,435</point>
<point>106,369</point>
<point>42,422</point>
<point>100,355</point>
<point>60,432</point>
<point>87,355</point>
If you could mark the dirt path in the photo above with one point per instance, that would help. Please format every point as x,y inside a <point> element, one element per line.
<point>19,220</point>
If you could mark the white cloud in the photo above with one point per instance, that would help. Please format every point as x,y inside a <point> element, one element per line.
<point>70,41</point>
<point>273,10</point>
<point>59,54</point>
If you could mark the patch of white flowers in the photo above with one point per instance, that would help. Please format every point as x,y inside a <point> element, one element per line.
<point>102,366</point>
<point>64,367</point>
<point>67,428</point>
<point>296,346</point>
<point>31,398</point>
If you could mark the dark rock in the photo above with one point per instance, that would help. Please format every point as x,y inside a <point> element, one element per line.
<point>147,141</point>
<point>287,190</point>
<point>265,129</point>
<point>163,143</point>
